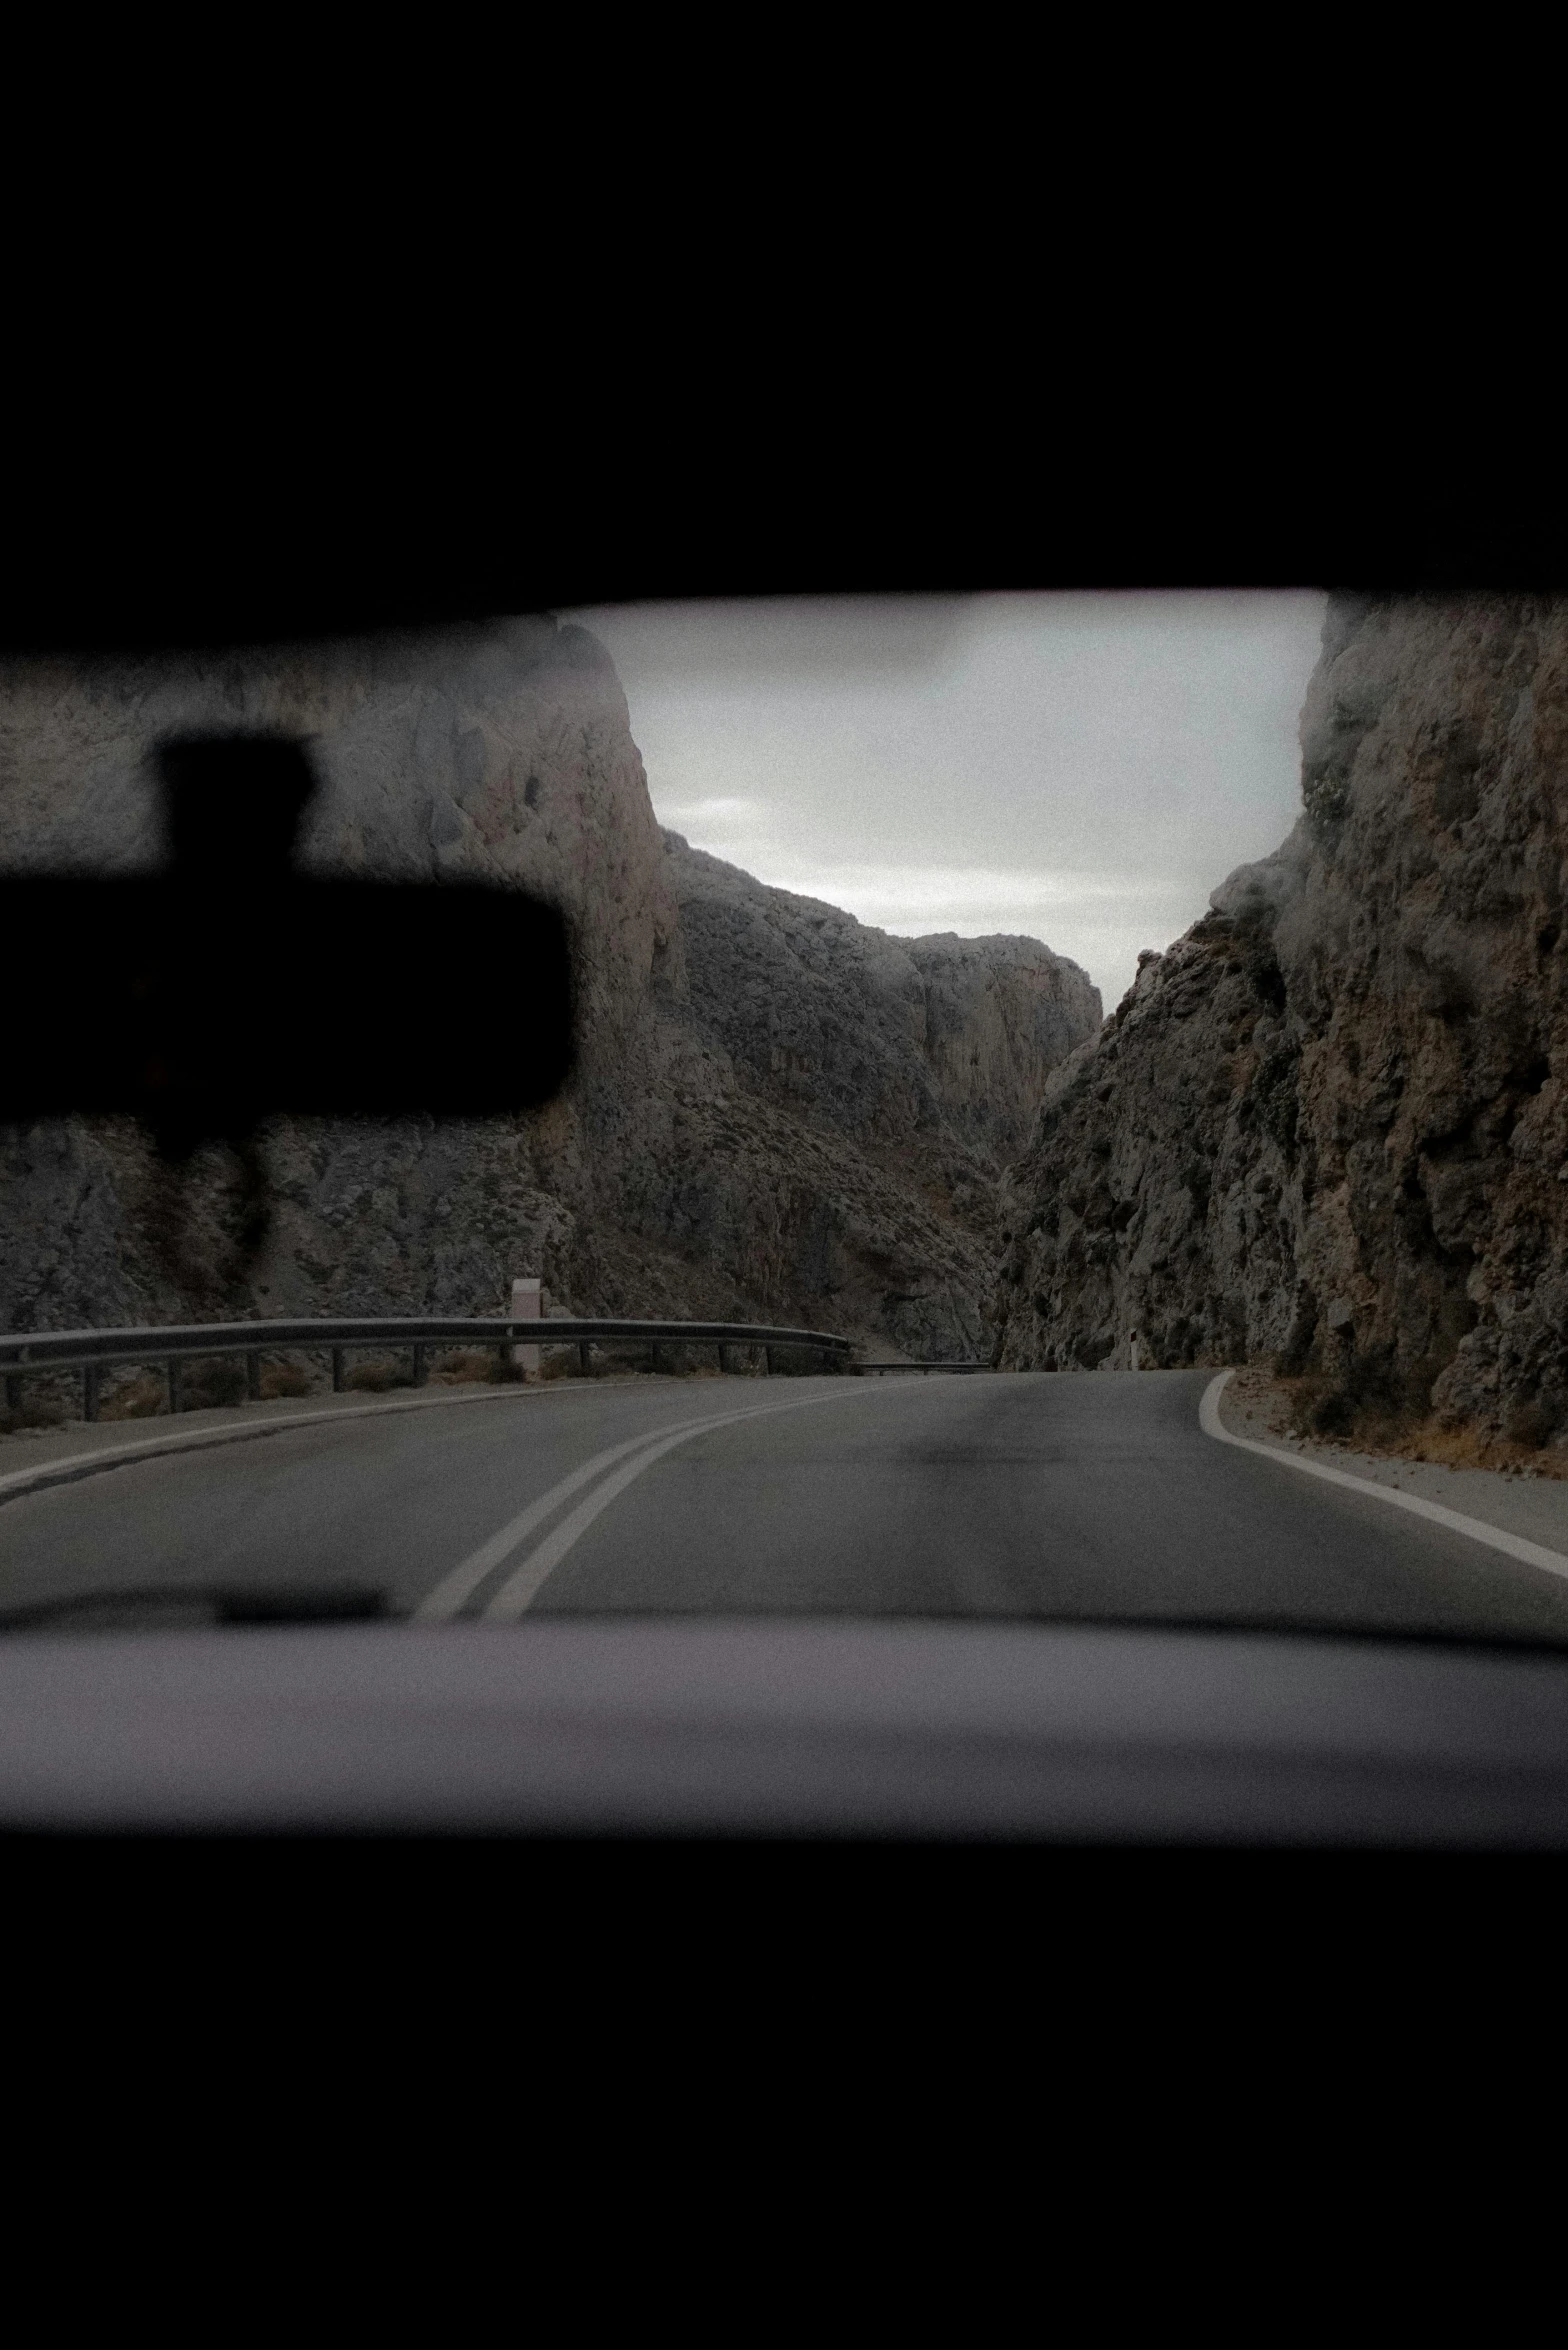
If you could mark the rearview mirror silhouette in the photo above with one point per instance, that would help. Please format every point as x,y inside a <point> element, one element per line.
<point>233,987</point>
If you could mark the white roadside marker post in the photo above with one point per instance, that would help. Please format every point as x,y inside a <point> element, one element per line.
<point>527,1306</point>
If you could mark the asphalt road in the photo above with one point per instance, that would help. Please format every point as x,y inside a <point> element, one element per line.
<point>1087,1497</point>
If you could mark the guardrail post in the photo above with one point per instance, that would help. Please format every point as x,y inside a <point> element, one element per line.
<point>253,1378</point>
<point>582,1356</point>
<point>421,1367</point>
<point>171,1372</point>
<point>767,1360</point>
<point>89,1391</point>
<point>337,1370</point>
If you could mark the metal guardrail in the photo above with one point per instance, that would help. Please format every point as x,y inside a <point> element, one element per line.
<point>25,1353</point>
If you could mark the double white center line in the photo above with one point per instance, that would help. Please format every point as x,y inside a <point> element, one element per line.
<point>518,1592</point>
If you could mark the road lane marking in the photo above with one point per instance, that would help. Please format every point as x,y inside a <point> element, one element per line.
<point>466,1577</point>
<point>1530,1553</point>
<point>68,1468</point>
<point>520,1589</point>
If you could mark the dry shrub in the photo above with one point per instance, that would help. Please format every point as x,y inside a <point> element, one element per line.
<point>1533,1424</point>
<point>139,1396</point>
<point>375,1376</point>
<point>465,1365</point>
<point>43,1403</point>
<point>460,1366</point>
<point>1369,1418</point>
<point>1365,1401</point>
<point>210,1381</point>
<point>286,1379</point>
<point>1467,1447</point>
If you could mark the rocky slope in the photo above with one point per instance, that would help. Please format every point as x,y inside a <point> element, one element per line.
<point>777,1112</point>
<point>883,1082</point>
<point>878,1036</point>
<point>1329,1129</point>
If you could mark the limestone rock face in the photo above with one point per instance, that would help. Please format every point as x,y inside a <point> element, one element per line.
<point>777,1113</point>
<point>1330,1126</point>
<point>878,1036</point>
<point>500,753</point>
<point>905,1070</point>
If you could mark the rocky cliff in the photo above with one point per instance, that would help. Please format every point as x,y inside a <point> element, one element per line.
<point>879,1037</point>
<point>1329,1128</point>
<point>879,1083</point>
<point>777,1112</point>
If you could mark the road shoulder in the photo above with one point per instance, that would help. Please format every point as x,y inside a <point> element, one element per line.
<point>1535,1508</point>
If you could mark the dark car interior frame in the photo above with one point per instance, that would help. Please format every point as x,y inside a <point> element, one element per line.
<point>230,572</point>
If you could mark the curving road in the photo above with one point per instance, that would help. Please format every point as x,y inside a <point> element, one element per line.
<point>1088,1497</point>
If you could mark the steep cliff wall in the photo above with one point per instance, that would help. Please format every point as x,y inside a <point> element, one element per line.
<point>681,1173</point>
<point>502,753</point>
<point>1329,1128</point>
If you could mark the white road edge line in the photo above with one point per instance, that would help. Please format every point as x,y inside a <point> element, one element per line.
<point>520,1589</point>
<point>68,1467</point>
<point>1530,1553</point>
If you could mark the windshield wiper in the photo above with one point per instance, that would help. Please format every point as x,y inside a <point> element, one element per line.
<point>209,1603</point>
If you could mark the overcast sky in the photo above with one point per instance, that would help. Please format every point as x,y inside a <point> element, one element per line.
<point>1083,769</point>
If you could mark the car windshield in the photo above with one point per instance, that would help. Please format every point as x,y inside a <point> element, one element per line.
<point>1020,1106</point>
